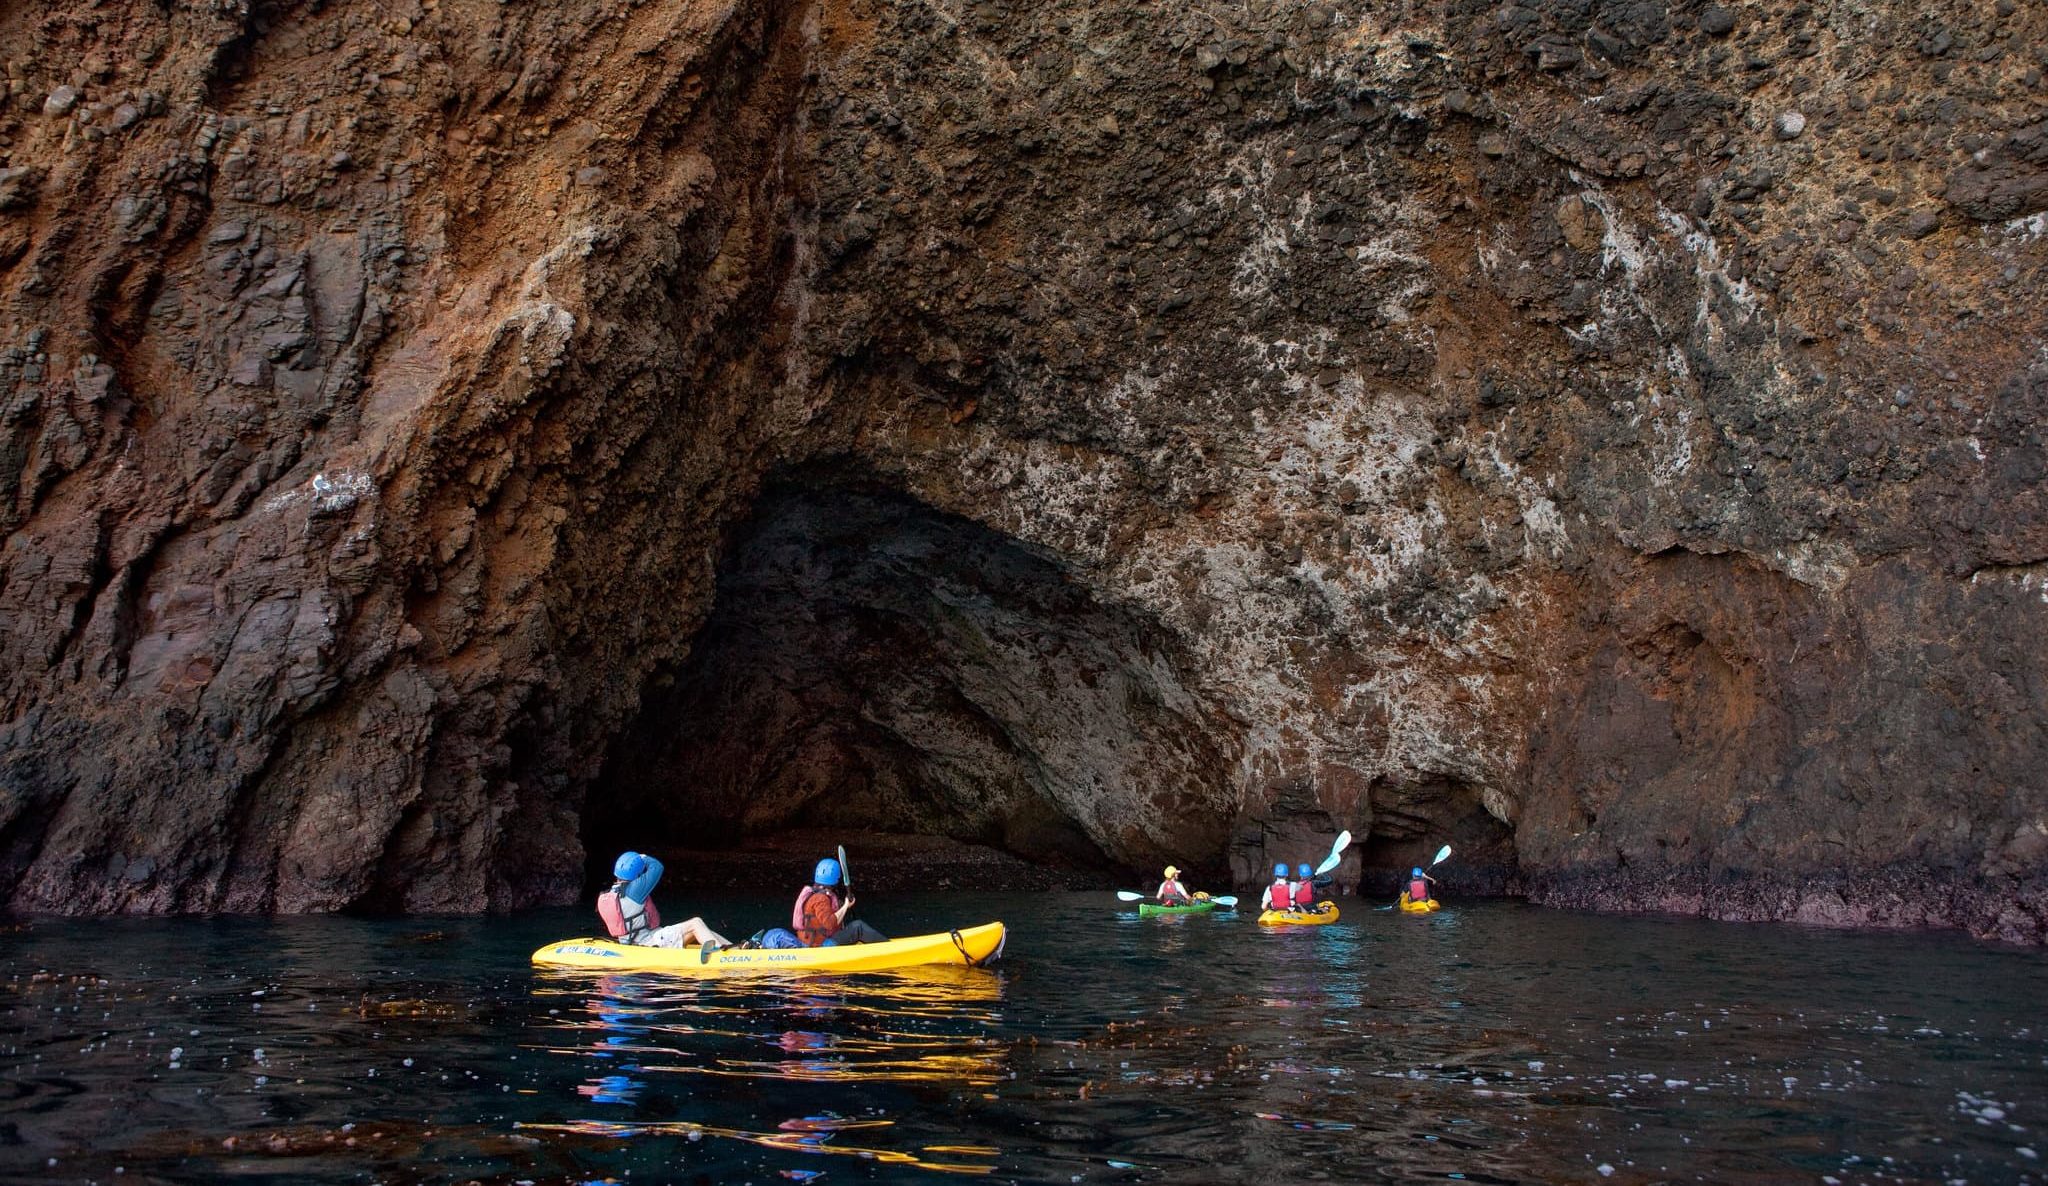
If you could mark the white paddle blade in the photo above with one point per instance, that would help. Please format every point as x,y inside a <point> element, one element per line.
<point>1130,896</point>
<point>1336,853</point>
<point>1442,854</point>
<point>1227,901</point>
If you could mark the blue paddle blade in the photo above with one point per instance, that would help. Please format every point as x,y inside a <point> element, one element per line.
<point>1442,854</point>
<point>1336,853</point>
<point>1130,896</point>
<point>1224,901</point>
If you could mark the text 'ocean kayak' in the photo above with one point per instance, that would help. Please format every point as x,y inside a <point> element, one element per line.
<point>1323,914</point>
<point>971,945</point>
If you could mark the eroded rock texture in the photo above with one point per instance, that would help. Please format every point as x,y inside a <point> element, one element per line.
<point>1607,435</point>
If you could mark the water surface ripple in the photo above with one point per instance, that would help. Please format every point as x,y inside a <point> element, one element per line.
<point>1490,1043</point>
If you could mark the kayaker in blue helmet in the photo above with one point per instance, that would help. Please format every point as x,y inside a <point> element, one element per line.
<point>1280,895</point>
<point>1304,888</point>
<point>819,919</point>
<point>1418,885</point>
<point>631,918</point>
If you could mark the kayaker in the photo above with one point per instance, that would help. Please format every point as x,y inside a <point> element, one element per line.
<point>1304,888</point>
<point>631,918</point>
<point>819,919</point>
<point>1280,894</point>
<point>1171,891</point>
<point>1418,885</point>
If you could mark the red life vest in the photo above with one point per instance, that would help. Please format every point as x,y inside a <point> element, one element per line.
<point>816,917</point>
<point>1278,897</point>
<point>1171,891</point>
<point>1418,890</point>
<point>623,925</point>
<point>1304,893</point>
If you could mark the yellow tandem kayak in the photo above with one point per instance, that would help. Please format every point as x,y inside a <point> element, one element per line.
<point>1426,906</point>
<point>1324,914</point>
<point>970,945</point>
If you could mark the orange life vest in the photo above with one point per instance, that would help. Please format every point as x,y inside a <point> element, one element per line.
<point>816,917</point>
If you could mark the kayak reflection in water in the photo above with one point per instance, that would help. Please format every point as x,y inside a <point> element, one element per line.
<point>820,915</point>
<point>631,918</point>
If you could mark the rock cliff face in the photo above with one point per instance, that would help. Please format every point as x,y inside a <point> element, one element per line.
<point>436,437</point>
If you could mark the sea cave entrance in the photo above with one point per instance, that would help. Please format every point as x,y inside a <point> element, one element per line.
<point>872,666</point>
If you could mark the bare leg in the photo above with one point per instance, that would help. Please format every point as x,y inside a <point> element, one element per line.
<point>683,934</point>
<point>696,931</point>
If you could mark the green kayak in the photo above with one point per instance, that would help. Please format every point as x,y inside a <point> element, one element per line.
<point>1148,909</point>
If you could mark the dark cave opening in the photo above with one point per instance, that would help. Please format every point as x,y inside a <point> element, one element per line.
<point>873,667</point>
<point>1413,817</point>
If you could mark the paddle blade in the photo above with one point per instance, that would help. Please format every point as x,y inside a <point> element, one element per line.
<point>1130,895</point>
<point>1336,853</point>
<point>1442,854</point>
<point>845,874</point>
<point>1224,901</point>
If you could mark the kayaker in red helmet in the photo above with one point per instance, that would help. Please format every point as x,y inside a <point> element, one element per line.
<point>819,919</point>
<point>630,917</point>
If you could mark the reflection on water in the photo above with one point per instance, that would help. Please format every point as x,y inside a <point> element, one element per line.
<point>926,1025</point>
<point>1491,1043</point>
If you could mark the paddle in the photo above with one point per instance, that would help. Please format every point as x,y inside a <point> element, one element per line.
<point>1337,853</point>
<point>846,874</point>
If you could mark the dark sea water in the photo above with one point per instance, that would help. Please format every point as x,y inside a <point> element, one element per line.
<point>1490,1043</point>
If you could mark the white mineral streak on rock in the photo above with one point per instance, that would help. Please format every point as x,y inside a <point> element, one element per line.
<point>330,491</point>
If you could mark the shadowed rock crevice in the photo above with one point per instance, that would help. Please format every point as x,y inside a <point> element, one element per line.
<point>872,665</point>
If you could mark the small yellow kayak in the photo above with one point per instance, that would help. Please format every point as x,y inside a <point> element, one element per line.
<point>1324,914</point>
<point>1426,906</point>
<point>971,945</point>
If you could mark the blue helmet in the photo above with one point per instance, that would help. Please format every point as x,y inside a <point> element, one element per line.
<point>1415,872</point>
<point>628,866</point>
<point>827,872</point>
<point>1279,870</point>
<point>1302,872</point>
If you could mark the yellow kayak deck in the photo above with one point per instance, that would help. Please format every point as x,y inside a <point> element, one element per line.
<point>1325,914</point>
<point>1426,906</point>
<point>969,945</point>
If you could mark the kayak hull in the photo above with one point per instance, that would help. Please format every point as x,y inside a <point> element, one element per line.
<point>1426,906</point>
<point>1325,914</point>
<point>1149,909</point>
<point>969,945</point>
